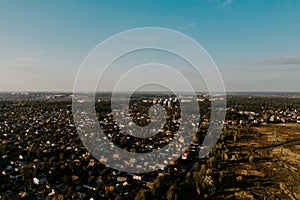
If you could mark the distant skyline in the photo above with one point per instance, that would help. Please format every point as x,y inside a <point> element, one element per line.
<point>255,44</point>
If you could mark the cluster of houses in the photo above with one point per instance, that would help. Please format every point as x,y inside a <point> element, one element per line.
<point>266,116</point>
<point>43,157</point>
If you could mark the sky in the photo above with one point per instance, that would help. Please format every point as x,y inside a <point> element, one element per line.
<point>255,44</point>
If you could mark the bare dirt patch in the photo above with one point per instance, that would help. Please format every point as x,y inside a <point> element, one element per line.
<point>273,170</point>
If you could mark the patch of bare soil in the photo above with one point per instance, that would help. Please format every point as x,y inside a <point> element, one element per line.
<point>268,165</point>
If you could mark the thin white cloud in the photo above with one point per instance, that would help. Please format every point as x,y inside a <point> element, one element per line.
<point>27,60</point>
<point>261,80</point>
<point>279,60</point>
<point>42,51</point>
<point>25,65</point>
<point>227,2</point>
<point>192,24</point>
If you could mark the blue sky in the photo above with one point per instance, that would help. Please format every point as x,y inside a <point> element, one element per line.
<point>255,44</point>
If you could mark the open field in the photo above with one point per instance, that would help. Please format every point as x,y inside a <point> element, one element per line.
<point>262,165</point>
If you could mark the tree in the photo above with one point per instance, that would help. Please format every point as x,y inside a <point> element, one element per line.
<point>172,193</point>
<point>160,186</point>
<point>144,195</point>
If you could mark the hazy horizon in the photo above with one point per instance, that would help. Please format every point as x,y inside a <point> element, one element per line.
<point>198,92</point>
